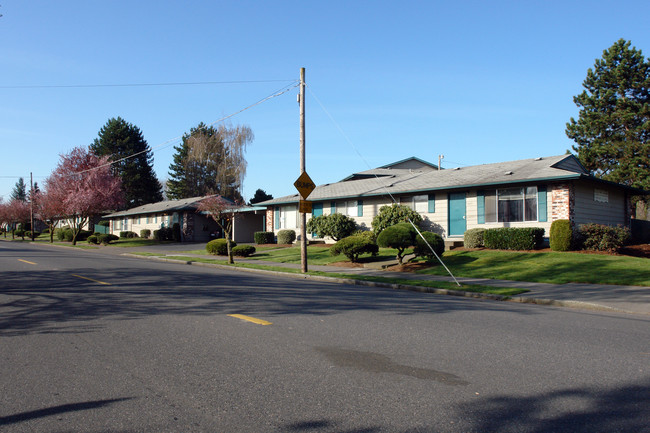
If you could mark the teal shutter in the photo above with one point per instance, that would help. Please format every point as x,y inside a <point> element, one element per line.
<point>480,207</point>
<point>317,209</point>
<point>276,218</point>
<point>333,207</point>
<point>432,203</point>
<point>541,204</point>
<point>359,207</point>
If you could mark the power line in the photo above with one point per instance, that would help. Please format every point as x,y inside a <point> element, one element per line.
<point>189,83</point>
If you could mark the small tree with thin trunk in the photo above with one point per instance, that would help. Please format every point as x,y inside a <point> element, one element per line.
<point>18,214</point>
<point>223,212</point>
<point>48,208</point>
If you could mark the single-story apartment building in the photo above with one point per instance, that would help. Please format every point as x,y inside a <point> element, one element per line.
<point>525,193</point>
<point>195,226</point>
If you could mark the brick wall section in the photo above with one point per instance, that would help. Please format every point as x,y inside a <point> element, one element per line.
<point>562,202</point>
<point>269,219</point>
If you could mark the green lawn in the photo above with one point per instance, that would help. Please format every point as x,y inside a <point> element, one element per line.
<point>547,267</point>
<point>316,255</point>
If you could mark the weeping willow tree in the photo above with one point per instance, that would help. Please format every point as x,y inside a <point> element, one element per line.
<point>210,161</point>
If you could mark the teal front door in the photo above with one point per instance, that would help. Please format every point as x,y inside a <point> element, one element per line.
<point>457,214</point>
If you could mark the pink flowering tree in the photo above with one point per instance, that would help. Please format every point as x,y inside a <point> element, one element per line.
<point>4,217</point>
<point>223,212</point>
<point>84,186</point>
<point>48,208</point>
<point>18,213</point>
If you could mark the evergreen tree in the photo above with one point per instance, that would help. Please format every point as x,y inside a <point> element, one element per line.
<point>19,192</point>
<point>209,161</point>
<point>120,139</point>
<point>260,196</point>
<point>612,133</point>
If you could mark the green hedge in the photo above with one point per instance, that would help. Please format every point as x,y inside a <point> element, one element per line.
<point>473,238</point>
<point>353,246</point>
<point>107,238</point>
<point>145,233</point>
<point>264,238</point>
<point>219,247</point>
<point>513,238</point>
<point>286,236</point>
<point>128,235</point>
<point>561,236</point>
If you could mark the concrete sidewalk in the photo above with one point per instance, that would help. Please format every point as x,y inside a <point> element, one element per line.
<point>628,299</point>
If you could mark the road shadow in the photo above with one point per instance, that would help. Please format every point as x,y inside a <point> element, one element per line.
<point>58,302</point>
<point>57,410</point>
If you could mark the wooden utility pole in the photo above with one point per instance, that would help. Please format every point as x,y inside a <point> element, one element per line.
<point>303,216</point>
<point>31,201</point>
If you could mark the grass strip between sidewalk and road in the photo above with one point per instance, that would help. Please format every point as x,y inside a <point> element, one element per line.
<point>501,291</point>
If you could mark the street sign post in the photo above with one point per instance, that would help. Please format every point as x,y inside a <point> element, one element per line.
<point>304,206</point>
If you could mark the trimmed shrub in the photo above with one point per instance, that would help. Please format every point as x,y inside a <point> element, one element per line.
<point>128,235</point>
<point>264,238</point>
<point>145,233</point>
<point>392,215</point>
<point>337,226</point>
<point>163,234</point>
<point>353,246</point>
<point>600,237</point>
<point>367,234</point>
<point>474,238</point>
<point>561,235</point>
<point>243,250</point>
<point>29,234</point>
<point>219,247</point>
<point>286,236</point>
<point>82,236</point>
<point>93,239</point>
<point>513,238</point>
<point>20,233</point>
<point>399,236</point>
<point>176,232</point>
<point>107,238</point>
<point>422,249</point>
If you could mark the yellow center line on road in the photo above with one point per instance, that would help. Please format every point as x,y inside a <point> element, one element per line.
<point>90,279</point>
<point>250,319</point>
<point>26,261</point>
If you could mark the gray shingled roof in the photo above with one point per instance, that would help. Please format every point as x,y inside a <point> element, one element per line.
<point>160,207</point>
<point>406,181</point>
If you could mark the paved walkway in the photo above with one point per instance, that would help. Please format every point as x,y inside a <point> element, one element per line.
<point>629,299</point>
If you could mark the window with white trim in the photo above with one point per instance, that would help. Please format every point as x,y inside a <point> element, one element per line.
<point>511,204</point>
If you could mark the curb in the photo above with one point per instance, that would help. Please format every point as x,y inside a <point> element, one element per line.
<point>411,288</point>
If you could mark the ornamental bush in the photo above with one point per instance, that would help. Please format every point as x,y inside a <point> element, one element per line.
<point>600,237</point>
<point>219,247</point>
<point>264,238</point>
<point>474,238</point>
<point>145,233</point>
<point>107,238</point>
<point>337,226</point>
<point>561,235</point>
<point>399,236</point>
<point>394,214</point>
<point>286,236</point>
<point>434,240</point>
<point>513,238</point>
<point>93,239</point>
<point>128,235</point>
<point>353,246</point>
<point>243,250</point>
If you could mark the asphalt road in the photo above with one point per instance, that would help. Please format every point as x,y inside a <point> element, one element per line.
<point>91,342</point>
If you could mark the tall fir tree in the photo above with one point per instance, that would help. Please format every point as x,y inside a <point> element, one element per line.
<point>612,133</point>
<point>19,192</point>
<point>120,139</point>
<point>209,161</point>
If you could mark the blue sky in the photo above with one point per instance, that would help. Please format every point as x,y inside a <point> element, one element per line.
<point>476,81</point>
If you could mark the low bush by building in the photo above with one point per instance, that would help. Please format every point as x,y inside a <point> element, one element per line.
<point>262,238</point>
<point>561,236</point>
<point>145,233</point>
<point>399,236</point>
<point>286,236</point>
<point>128,235</point>
<point>473,238</point>
<point>353,246</point>
<point>106,238</point>
<point>600,237</point>
<point>513,238</point>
